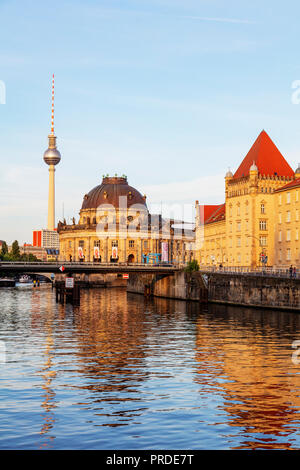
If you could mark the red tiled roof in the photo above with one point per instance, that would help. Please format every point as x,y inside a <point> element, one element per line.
<point>205,211</point>
<point>208,211</point>
<point>291,184</point>
<point>217,215</point>
<point>267,158</point>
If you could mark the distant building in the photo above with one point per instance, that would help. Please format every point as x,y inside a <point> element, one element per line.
<point>46,239</point>
<point>39,252</point>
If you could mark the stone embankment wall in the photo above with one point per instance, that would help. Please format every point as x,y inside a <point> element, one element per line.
<point>235,289</point>
<point>95,280</point>
<point>255,291</point>
<point>180,285</point>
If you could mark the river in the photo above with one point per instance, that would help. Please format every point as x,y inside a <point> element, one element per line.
<point>123,372</point>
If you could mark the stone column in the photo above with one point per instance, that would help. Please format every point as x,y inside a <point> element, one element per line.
<point>89,249</point>
<point>124,250</point>
<point>105,250</point>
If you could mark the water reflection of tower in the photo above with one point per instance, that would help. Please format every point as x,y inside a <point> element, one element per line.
<point>44,322</point>
<point>52,157</point>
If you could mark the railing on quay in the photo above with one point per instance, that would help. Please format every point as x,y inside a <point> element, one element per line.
<point>259,271</point>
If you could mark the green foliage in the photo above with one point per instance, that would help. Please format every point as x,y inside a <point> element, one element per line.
<point>14,254</point>
<point>15,250</point>
<point>192,266</point>
<point>4,249</point>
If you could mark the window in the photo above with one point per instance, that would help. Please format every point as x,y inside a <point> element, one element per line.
<point>280,217</point>
<point>238,226</point>
<point>238,210</point>
<point>262,225</point>
<point>97,243</point>
<point>288,198</point>
<point>145,245</point>
<point>297,235</point>
<point>262,208</point>
<point>238,241</point>
<point>131,243</point>
<point>279,255</point>
<point>288,254</point>
<point>288,216</point>
<point>81,243</point>
<point>238,257</point>
<point>297,215</point>
<point>280,199</point>
<point>288,235</point>
<point>279,236</point>
<point>114,243</point>
<point>70,244</point>
<point>263,241</point>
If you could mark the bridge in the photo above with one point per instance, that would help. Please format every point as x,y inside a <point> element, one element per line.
<point>19,267</point>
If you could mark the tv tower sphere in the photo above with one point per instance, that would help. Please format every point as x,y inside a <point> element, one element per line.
<point>52,156</point>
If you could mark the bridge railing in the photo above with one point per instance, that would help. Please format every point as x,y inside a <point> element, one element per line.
<point>69,264</point>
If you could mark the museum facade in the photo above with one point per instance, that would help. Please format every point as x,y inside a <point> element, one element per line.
<point>115,225</point>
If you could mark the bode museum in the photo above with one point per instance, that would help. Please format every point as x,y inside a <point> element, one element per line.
<point>115,226</point>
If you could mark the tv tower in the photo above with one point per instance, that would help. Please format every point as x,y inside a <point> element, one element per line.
<point>52,157</point>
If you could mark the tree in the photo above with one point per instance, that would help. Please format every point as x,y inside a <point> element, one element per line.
<point>4,249</point>
<point>15,250</point>
<point>192,266</point>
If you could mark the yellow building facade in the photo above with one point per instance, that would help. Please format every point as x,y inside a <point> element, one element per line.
<point>244,231</point>
<point>287,224</point>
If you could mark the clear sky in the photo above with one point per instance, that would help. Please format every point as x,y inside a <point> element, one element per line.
<point>169,92</point>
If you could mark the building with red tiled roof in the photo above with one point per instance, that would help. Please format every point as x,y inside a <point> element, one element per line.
<point>241,231</point>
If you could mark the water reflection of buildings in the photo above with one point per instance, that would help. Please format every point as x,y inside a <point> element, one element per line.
<point>245,356</point>
<point>113,333</point>
<point>110,337</point>
<point>107,348</point>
